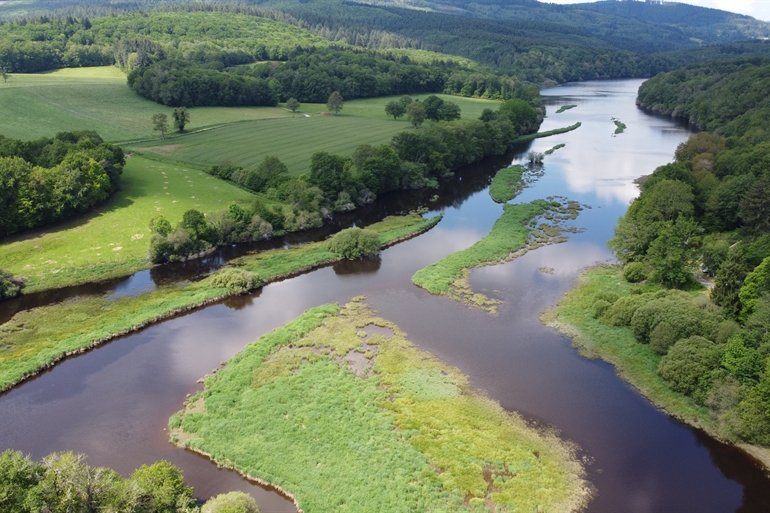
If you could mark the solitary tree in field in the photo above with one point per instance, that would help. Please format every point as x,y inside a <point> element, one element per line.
<point>181,118</point>
<point>395,109</point>
<point>292,104</point>
<point>415,113</point>
<point>4,74</point>
<point>335,102</point>
<point>160,124</point>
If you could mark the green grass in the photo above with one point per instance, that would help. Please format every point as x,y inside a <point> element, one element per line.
<point>538,135</point>
<point>565,107</point>
<point>113,240</point>
<point>292,140</point>
<point>36,338</point>
<point>619,126</point>
<point>634,362</point>
<point>507,183</point>
<point>39,105</point>
<point>411,436</point>
<point>509,234</point>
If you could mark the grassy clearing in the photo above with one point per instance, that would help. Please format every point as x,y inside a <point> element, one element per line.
<point>517,231</point>
<point>525,138</point>
<point>565,107</point>
<point>339,410</point>
<point>634,362</point>
<point>113,240</point>
<point>557,147</point>
<point>620,127</point>
<point>507,183</point>
<point>39,105</point>
<point>37,338</point>
<point>292,140</point>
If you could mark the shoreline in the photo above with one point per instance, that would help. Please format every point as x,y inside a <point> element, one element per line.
<point>200,304</point>
<point>589,348</point>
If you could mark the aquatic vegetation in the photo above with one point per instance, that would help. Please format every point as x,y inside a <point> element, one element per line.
<point>305,410</point>
<point>538,135</point>
<point>565,107</point>
<point>507,183</point>
<point>36,339</point>
<point>557,147</point>
<point>619,126</point>
<point>512,235</point>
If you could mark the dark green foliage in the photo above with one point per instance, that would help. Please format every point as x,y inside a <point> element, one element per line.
<point>522,115</point>
<point>682,317</point>
<point>355,243</point>
<point>235,280</point>
<point>181,118</point>
<point>688,366</point>
<point>437,109</point>
<point>9,286</point>
<point>335,102</point>
<point>330,173</point>
<point>293,104</point>
<point>416,114</point>
<point>47,180</point>
<point>395,109</point>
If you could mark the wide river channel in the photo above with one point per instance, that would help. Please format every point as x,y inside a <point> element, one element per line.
<point>113,403</point>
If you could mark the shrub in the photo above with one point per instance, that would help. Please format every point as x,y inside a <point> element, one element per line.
<point>687,366</point>
<point>634,272</point>
<point>600,306</point>
<point>622,311</point>
<point>355,243</point>
<point>662,337</point>
<point>608,296</point>
<point>237,281</point>
<point>9,286</point>
<point>233,502</point>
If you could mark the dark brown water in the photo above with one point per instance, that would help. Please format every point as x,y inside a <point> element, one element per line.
<point>113,403</point>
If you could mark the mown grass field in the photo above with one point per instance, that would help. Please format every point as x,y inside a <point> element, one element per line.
<point>39,105</point>
<point>341,411</point>
<point>35,338</point>
<point>113,240</point>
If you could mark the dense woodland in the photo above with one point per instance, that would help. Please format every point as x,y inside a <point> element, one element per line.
<point>47,180</point>
<point>708,211</point>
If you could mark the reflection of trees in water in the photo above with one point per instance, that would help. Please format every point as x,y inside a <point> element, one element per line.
<point>733,464</point>
<point>358,266</point>
<point>241,302</point>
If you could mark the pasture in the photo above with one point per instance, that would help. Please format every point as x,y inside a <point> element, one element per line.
<point>113,240</point>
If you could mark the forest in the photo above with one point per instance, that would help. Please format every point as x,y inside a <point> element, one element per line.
<point>707,212</point>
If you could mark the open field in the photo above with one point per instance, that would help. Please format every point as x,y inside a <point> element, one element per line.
<point>35,339</point>
<point>113,240</point>
<point>343,413</point>
<point>292,140</point>
<point>39,105</point>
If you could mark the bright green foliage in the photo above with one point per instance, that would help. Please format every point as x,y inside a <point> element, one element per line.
<point>672,253</point>
<point>620,127</point>
<point>18,475</point>
<point>236,281</point>
<point>507,183</point>
<point>412,436</point>
<point>233,502</point>
<point>416,114</point>
<point>161,489</point>
<point>687,366</point>
<point>355,243</point>
<point>634,272</point>
<point>509,233</point>
<point>757,282</point>
<point>160,124</point>
<point>292,104</point>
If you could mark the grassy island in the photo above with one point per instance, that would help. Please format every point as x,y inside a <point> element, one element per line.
<point>512,235</point>
<point>564,108</point>
<point>507,183</point>
<point>548,133</point>
<point>36,339</point>
<point>620,127</point>
<point>342,413</point>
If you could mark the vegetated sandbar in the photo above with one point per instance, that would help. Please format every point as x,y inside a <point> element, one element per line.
<point>565,107</point>
<point>634,362</point>
<point>512,235</point>
<point>538,135</point>
<point>507,183</point>
<point>338,410</point>
<point>37,339</point>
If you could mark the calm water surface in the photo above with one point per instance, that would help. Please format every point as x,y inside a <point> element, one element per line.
<point>113,403</point>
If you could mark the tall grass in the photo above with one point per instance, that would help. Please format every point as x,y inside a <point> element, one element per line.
<point>507,184</point>
<point>406,435</point>
<point>37,338</point>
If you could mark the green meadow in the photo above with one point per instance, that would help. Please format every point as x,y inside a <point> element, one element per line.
<point>36,338</point>
<point>343,413</point>
<point>39,105</point>
<point>113,240</point>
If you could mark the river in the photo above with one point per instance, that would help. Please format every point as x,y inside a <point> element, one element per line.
<point>113,403</point>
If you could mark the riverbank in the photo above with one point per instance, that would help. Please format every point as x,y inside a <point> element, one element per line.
<point>513,234</point>
<point>351,416</point>
<point>35,340</point>
<point>635,363</point>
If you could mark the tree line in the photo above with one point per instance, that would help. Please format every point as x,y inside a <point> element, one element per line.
<point>335,183</point>
<point>709,212</point>
<point>47,180</point>
<point>64,483</point>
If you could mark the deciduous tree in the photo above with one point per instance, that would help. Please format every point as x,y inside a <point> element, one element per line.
<point>160,124</point>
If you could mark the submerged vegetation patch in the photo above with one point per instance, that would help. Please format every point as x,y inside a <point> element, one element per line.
<point>565,107</point>
<point>521,227</point>
<point>405,434</point>
<point>36,339</point>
